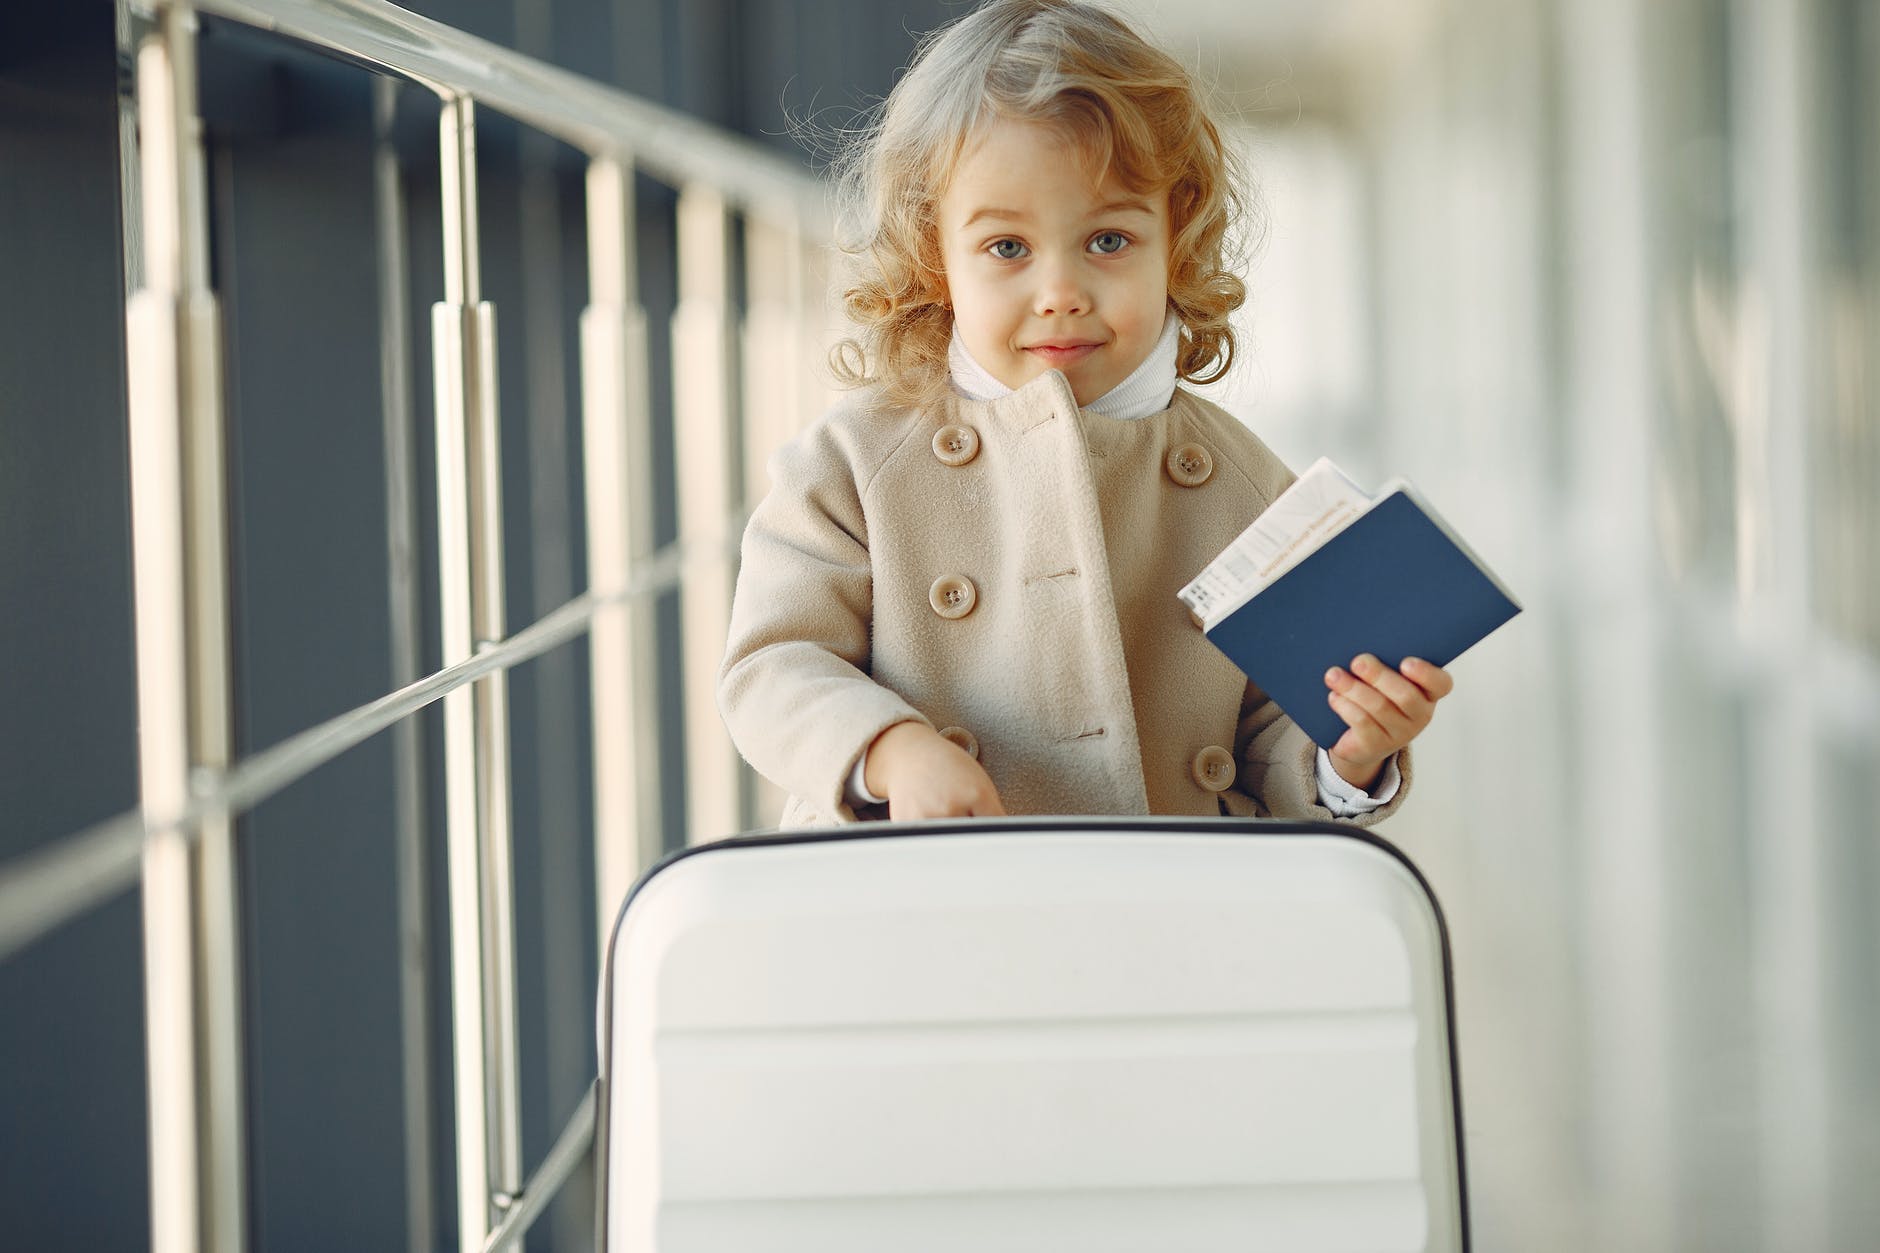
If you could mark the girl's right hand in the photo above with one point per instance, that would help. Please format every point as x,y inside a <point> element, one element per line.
<point>925,775</point>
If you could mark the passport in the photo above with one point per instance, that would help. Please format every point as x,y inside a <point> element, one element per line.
<point>1325,574</point>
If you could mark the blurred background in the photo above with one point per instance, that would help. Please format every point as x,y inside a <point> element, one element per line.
<point>1601,276</point>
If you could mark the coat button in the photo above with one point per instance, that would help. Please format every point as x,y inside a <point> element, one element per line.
<point>1190,465</point>
<point>964,738</point>
<point>953,596</point>
<point>1213,768</point>
<point>956,445</point>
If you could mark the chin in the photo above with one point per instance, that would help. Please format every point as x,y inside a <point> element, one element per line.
<point>1088,392</point>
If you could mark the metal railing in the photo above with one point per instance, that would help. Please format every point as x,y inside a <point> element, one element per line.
<point>180,841</point>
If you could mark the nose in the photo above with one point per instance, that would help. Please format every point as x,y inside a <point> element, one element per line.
<point>1062,291</point>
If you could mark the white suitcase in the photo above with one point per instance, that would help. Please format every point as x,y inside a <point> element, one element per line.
<point>1128,1035</point>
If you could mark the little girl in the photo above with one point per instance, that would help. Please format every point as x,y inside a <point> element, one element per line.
<point>959,597</point>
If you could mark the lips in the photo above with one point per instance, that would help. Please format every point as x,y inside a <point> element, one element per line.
<point>1065,353</point>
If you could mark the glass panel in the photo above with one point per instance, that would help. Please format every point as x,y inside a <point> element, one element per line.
<point>1845,444</point>
<point>1701,323</point>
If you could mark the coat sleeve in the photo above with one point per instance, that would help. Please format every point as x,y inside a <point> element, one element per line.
<point>1279,772</point>
<point>794,688</point>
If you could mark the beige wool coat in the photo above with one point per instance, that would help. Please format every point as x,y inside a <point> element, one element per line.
<point>1006,572</point>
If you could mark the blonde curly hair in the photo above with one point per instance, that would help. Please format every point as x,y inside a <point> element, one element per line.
<point>1133,111</point>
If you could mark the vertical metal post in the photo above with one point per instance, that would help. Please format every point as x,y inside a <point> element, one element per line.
<point>772,361</point>
<point>1779,325</point>
<point>476,721</point>
<point>1620,629</point>
<point>706,435</point>
<point>818,326</point>
<point>178,519</point>
<point>563,832</point>
<point>618,462</point>
<point>770,358</point>
<point>176,1141</point>
<point>218,927</point>
<point>131,26</point>
<point>401,524</point>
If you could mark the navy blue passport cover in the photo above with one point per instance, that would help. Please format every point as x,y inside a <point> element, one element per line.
<point>1392,584</point>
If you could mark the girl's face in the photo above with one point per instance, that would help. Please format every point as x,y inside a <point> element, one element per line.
<point>1046,271</point>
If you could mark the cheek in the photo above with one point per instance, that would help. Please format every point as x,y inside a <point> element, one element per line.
<point>1155,309</point>
<point>1149,305</point>
<point>981,314</point>
<point>971,322</point>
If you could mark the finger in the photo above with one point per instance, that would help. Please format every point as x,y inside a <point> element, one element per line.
<point>1434,680</point>
<point>1409,699</point>
<point>1366,739</point>
<point>986,802</point>
<point>1350,747</point>
<point>965,803</point>
<point>1391,719</point>
<point>931,805</point>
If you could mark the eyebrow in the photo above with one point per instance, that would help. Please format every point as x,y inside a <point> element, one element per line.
<point>1013,215</point>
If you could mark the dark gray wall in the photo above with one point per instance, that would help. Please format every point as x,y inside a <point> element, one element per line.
<point>71,1007</point>
<point>291,140</point>
<point>292,204</point>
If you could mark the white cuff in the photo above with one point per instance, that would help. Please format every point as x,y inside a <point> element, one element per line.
<point>1346,801</point>
<point>857,793</point>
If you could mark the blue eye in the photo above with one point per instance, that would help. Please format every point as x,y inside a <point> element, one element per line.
<point>1109,242</point>
<point>1006,249</point>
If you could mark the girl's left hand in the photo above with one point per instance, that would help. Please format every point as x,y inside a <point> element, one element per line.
<point>1385,710</point>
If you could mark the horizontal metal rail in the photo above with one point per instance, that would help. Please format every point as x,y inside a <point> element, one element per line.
<point>676,149</point>
<point>43,889</point>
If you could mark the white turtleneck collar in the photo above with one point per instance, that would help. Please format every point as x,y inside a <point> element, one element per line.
<point>1148,389</point>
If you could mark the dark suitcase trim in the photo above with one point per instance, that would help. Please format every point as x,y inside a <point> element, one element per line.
<point>1258,827</point>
